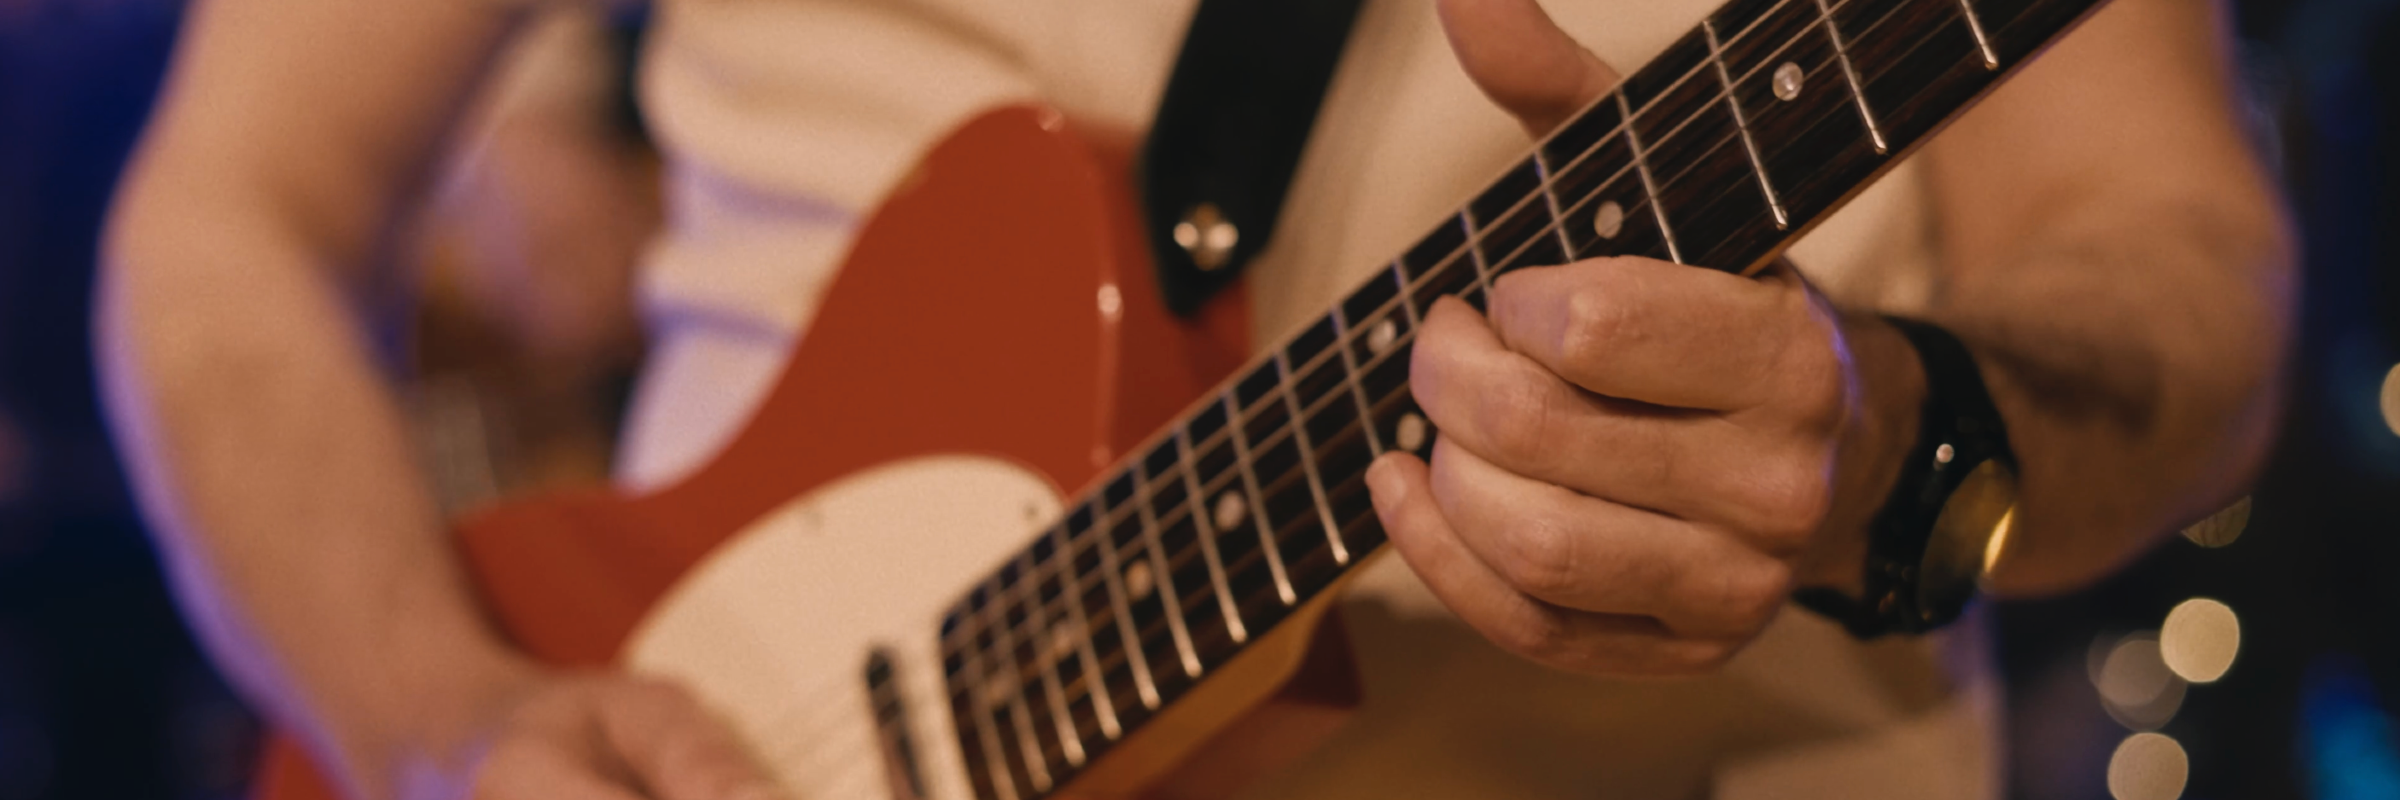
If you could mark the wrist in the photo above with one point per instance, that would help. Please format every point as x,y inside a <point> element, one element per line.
<point>1887,396</point>
<point>438,709</point>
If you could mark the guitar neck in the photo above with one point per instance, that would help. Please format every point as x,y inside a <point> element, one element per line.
<point>1722,151</point>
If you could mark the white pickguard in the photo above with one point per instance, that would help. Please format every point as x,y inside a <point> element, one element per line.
<point>774,629</point>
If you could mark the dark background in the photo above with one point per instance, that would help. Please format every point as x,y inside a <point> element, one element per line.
<point>102,694</point>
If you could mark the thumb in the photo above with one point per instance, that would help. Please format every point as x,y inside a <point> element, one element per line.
<point>1522,61</point>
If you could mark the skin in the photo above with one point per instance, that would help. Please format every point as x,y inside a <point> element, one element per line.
<point>2125,290</point>
<point>2128,291</point>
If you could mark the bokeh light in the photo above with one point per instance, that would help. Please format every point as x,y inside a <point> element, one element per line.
<point>2199,640</point>
<point>2148,766</point>
<point>2136,687</point>
<point>2391,399</point>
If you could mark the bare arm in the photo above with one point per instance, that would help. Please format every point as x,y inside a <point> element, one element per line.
<point>2113,256</point>
<point>2120,265</point>
<point>267,447</point>
<point>268,450</point>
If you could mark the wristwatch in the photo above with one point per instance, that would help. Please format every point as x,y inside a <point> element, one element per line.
<point>1949,515</point>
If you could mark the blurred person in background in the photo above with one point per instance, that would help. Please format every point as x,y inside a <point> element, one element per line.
<point>2097,233</point>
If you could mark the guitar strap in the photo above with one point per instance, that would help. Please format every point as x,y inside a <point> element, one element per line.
<point>1228,136</point>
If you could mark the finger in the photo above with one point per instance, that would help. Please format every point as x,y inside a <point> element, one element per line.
<point>1662,333</point>
<point>1512,411</point>
<point>1522,61</point>
<point>538,772</point>
<point>678,749</point>
<point>1589,554</point>
<point>1564,638</point>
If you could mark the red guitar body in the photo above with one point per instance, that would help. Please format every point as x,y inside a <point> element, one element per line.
<point>973,316</point>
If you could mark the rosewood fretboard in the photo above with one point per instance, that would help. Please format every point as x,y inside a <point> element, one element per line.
<point>1719,153</point>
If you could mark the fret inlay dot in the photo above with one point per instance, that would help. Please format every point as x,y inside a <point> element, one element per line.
<point>1138,581</point>
<point>1788,80</point>
<point>1062,642</point>
<point>1000,685</point>
<point>1380,337</point>
<point>1608,220</point>
<point>1229,511</point>
<point>1412,432</point>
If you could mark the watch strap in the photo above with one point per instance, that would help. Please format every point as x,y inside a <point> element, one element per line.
<point>1960,432</point>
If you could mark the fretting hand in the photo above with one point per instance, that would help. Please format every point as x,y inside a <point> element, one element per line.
<point>1638,459</point>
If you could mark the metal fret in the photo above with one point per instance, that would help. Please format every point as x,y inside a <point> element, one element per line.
<point>1858,90</point>
<point>1308,457</point>
<point>1258,499</point>
<point>1907,74</point>
<point>1071,591</point>
<point>1164,578</point>
<point>1558,219</point>
<point>1483,268</point>
<point>1366,416</point>
<point>987,729</point>
<point>1192,504</point>
<point>1029,745</point>
<point>1070,742</point>
<point>1991,60</point>
<point>1641,163</point>
<point>1758,166</point>
<point>1135,655</point>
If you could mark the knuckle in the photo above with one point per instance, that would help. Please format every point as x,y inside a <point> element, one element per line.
<point>1818,373</point>
<point>1825,388</point>
<point>1751,597</point>
<point>1531,638</point>
<point>1597,318</point>
<point>1519,420</point>
<point>1666,456</point>
<point>1787,505</point>
<point>1539,557</point>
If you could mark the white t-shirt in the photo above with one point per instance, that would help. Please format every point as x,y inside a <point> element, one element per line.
<point>784,121</point>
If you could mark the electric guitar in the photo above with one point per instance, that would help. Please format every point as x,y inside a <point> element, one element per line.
<point>1047,540</point>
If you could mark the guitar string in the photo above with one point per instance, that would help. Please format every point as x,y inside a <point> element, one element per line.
<point>1145,489</point>
<point>1150,485</point>
<point>1084,679</point>
<point>1087,679</point>
<point>1223,480</point>
<point>1147,486</point>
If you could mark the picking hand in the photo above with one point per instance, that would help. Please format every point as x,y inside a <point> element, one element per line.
<point>616,738</point>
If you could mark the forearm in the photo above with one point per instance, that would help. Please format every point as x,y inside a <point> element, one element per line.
<point>2133,350</point>
<point>271,459</point>
<point>2115,257</point>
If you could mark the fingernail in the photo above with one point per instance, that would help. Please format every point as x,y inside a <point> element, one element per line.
<point>1384,483</point>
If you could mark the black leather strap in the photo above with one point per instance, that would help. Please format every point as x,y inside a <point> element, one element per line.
<point>1229,132</point>
<point>1958,415</point>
